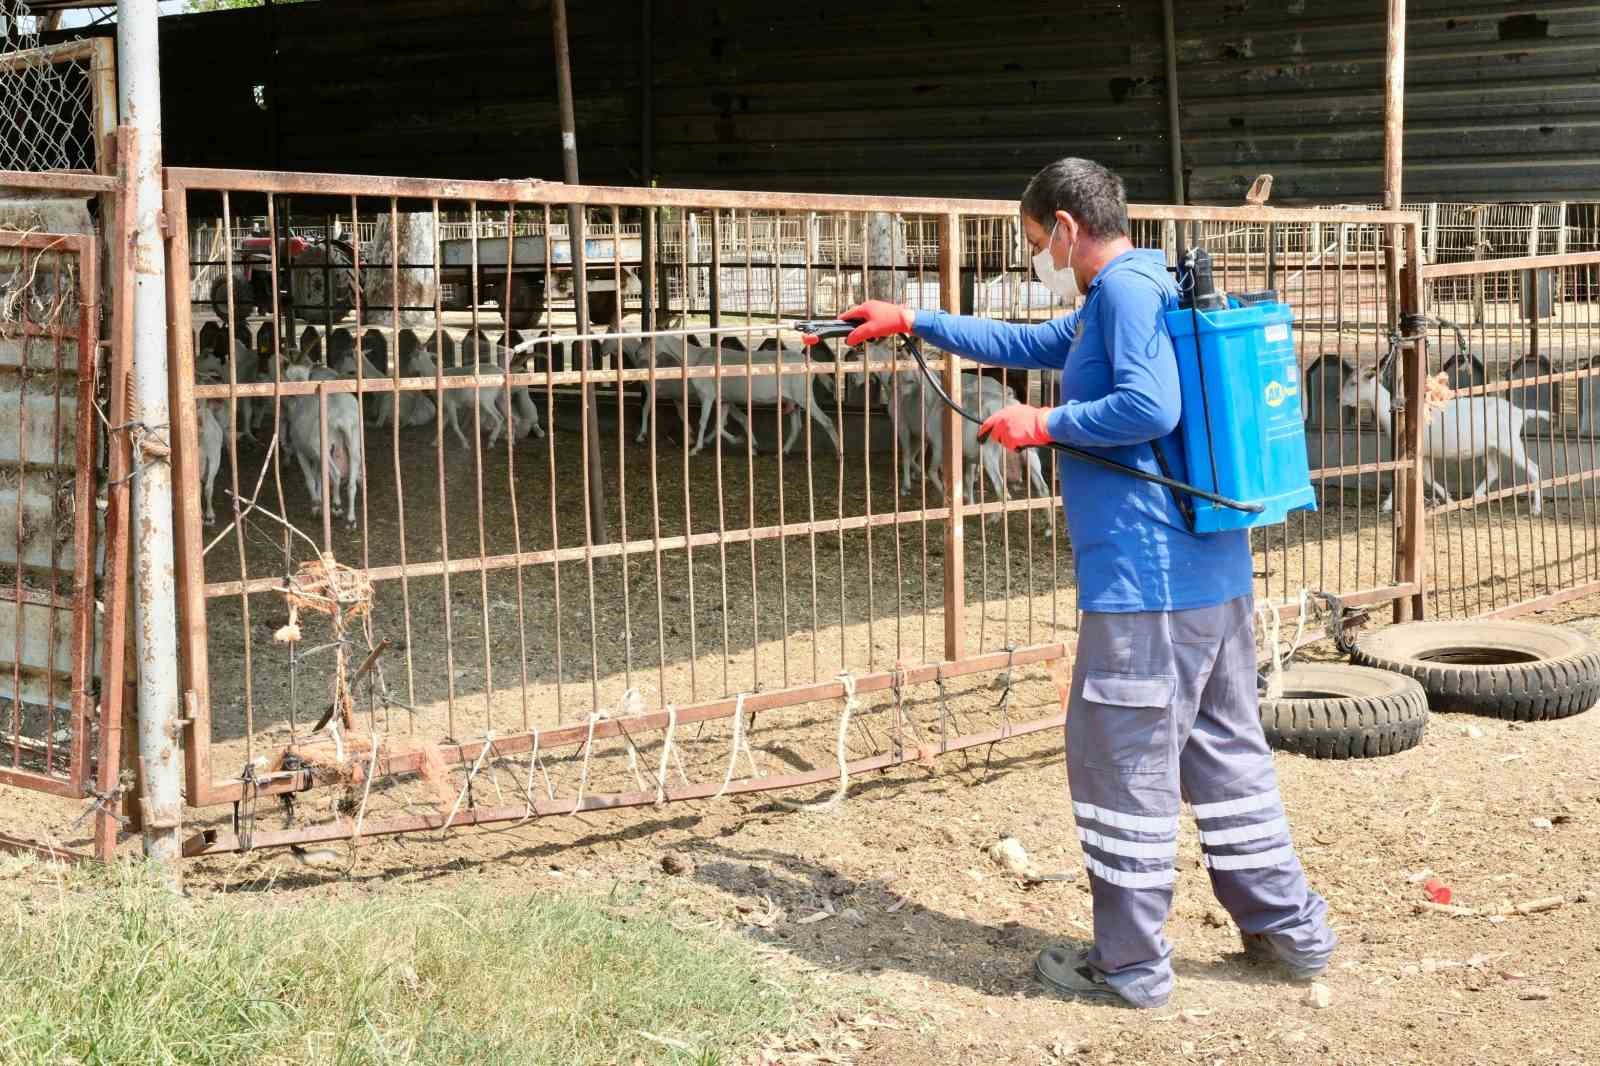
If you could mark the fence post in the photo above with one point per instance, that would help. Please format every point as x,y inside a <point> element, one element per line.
<point>155,594</point>
<point>1411,505</point>
<point>955,581</point>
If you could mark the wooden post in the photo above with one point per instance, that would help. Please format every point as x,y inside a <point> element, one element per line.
<point>955,582</point>
<point>598,527</point>
<point>1406,296</point>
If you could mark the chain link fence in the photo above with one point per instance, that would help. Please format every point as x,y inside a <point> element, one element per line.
<point>47,97</point>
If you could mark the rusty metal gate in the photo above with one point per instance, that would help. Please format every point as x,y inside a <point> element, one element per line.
<point>522,607</point>
<point>49,440</point>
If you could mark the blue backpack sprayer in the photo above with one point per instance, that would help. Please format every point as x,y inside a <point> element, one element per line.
<point>1242,431</point>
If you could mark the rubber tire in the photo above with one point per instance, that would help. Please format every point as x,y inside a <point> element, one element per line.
<point>1563,680</point>
<point>1371,713</point>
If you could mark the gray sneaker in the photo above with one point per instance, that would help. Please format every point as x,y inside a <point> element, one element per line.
<point>1065,968</point>
<point>1260,947</point>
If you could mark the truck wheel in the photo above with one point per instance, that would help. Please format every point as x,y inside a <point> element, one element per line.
<point>1334,711</point>
<point>1523,671</point>
<point>241,299</point>
<point>526,303</point>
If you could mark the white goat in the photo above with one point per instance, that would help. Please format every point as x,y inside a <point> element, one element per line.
<point>416,409</point>
<point>522,413</point>
<point>457,404</point>
<point>211,420</point>
<point>1466,428</point>
<point>915,404</point>
<point>345,458</point>
<point>789,392</point>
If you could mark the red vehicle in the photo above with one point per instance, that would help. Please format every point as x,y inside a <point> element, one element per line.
<point>316,278</point>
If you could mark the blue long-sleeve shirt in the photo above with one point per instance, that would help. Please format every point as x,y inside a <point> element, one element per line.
<point>1119,392</point>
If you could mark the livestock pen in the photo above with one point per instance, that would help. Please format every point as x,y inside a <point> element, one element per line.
<point>592,618</point>
<point>516,625</point>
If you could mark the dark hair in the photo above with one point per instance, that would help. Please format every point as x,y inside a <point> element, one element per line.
<point>1083,189</point>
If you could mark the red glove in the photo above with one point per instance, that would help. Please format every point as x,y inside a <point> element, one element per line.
<point>878,318</point>
<point>1016,427</point>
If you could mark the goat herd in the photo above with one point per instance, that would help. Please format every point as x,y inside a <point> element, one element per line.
<point>339,457</point>
<point>1486,429</point>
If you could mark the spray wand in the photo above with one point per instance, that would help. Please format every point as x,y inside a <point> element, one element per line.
<point>827,328</point>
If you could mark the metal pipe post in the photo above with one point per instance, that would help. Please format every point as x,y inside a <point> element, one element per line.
<point>598,527</point>
<point>1174,132</point>
<point>154,577</point>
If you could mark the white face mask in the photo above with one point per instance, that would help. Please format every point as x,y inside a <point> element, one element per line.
<point>1059,280</point>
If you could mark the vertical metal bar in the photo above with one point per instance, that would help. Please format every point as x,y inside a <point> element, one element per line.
<point>811,488</point>
<point>689,254</point>
<point>446,600</point>
<point>652,249</point>
<point>647,111</point>
<point>716,440</point>
<point>119,461</point>
<point>231,350</point>
<point>1174,134</point>
<point>555,524</point>
<point>1411,505</point>
<point>599,532</point>
<point>954,546</point>
<point>155,600</point>
<point>18,598</point>
<point>750,439</point>
<point>622,454</point>
<point>783,541</point>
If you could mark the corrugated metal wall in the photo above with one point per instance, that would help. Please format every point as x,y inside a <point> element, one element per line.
<point>913,96</point>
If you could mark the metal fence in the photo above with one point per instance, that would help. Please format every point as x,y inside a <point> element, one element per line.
<point>573,613</point>
<point>47,346</point>
<point>1512,522</point>
<point>58,103</point>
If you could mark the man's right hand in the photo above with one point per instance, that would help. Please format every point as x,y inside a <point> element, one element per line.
<point>878,318</point>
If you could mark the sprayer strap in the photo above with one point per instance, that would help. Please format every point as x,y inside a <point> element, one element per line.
<point>1185,504</point>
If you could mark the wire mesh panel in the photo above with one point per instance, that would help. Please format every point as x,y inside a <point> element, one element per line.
<point>57,102</point>
<point>48,553</point>
<point>558,511</point>
<point>1512,461</point>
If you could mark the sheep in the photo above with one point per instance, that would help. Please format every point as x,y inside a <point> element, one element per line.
<point>345,456</point>
<point>1466,428</point>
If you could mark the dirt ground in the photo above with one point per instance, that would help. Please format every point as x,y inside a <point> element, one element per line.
<point>925,924</point>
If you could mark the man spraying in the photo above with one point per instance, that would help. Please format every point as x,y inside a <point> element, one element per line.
<point>1163,700</point>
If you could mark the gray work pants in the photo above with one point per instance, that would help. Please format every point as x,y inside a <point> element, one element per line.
<point>1164,703</point>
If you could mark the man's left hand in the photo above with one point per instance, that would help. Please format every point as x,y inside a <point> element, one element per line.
<point>1017,426</point>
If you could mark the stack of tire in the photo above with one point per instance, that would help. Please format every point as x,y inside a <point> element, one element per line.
<point>1520,671</point>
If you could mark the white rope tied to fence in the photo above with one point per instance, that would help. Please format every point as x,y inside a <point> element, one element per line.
<point>533,763</point>
<point>740,743</point>
<point>629,705</point>
<point>668,751</point>
<point>841,752</point>
<point>488,745</point>
<point>1275,642</point>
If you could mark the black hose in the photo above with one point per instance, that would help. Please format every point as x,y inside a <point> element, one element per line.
<point>835,328</point>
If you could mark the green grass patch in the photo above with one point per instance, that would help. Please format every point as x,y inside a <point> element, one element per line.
<point>106,967</point>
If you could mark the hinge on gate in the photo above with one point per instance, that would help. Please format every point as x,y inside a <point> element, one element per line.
<point>165,221</point>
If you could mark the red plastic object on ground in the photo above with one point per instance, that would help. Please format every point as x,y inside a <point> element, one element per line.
<point>1437,890</point>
